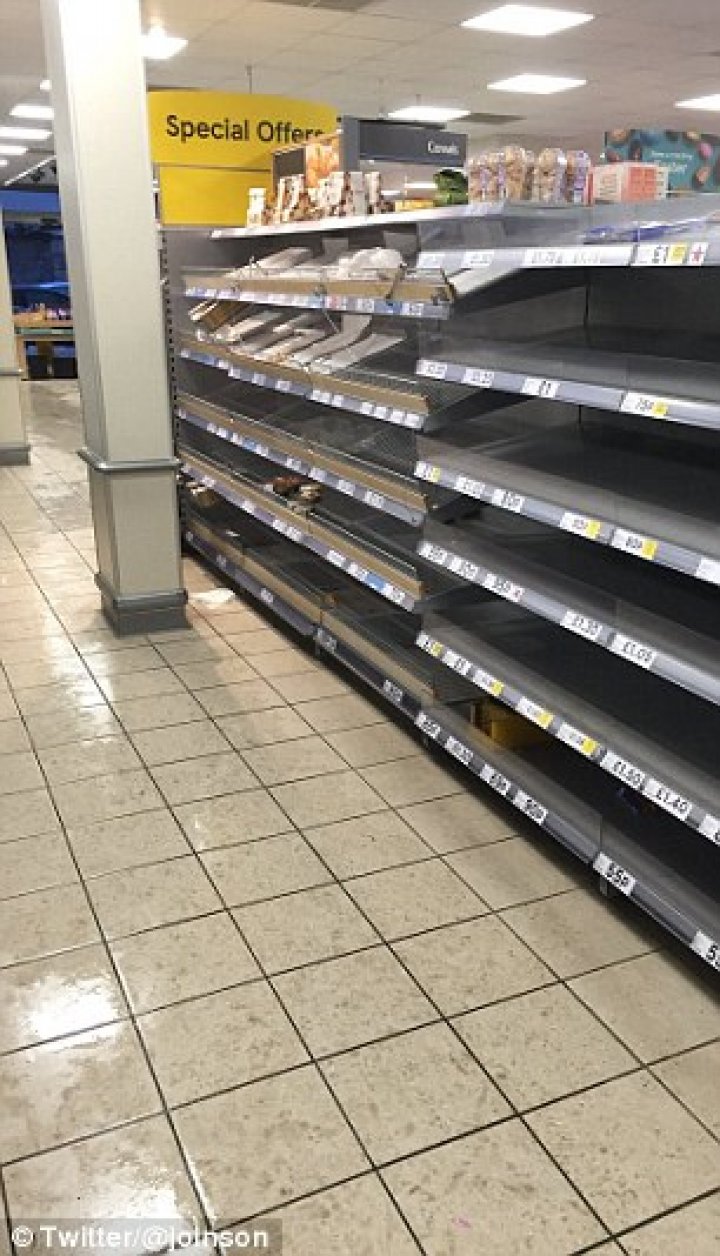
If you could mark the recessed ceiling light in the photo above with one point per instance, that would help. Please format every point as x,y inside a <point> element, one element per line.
<point>12,150</point>
<point>427,113</point>
<point>23,133</point>
<point>157,45</point>
<point>41,113</point>
<point>711,103</point>
<point>527,19</point>
<point>536,84</point>
<point>45,85</point>
<point>4,161</point>
<point>421,187</point>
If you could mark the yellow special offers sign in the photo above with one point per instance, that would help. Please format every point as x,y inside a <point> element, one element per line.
<point>211,147</point>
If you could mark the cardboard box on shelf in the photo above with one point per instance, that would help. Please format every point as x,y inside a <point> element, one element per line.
<point>629,181</point>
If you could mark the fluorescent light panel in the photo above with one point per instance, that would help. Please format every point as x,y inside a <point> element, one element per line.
<point>157,45</point>
<point>38,113</point>
<point>527,19</point>
<point>711,103</point>
<point>12,150</point>
<point>536,84</point>
<point>23,133</point>
<point>427,113</point>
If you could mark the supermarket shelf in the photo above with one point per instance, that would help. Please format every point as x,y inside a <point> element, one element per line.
<point>405,306</point>
<point>319,226</point>
<point>595,607</point>
<point>658,514</point>
<point>376,670</point>
<point>363,482</point>
<point>497,263</point>
<point>665,389</point>
<point>373,569</point>
<point>534,692</point>
<point>626,863</point>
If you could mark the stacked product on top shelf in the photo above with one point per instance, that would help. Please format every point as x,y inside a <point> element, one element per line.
<point>507,518</point>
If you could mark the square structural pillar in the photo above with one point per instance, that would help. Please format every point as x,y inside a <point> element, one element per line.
<point>14,448</point>
<point>94,61</point>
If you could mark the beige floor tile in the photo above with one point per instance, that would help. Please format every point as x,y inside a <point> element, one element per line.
<point>293,761</point>
<point>695,1078</point>
<point>139,714</point>
<point>630,1148</point>
<point>48,672</point>
<point>255,641</point>
<point>35,863</point>
<point>69,695</point>
<point>579,931</point>
<point>19,772</point>
<point>469,965</point>
<point>283,663</point>
<point>102,642</point>
<point>303,928</point>
<point>407,1093</point>
<point>68,1089</point>
<point>263,728</point>
<point>416,897</point>
<point>160,682</point>
<point>63,994</point>
<point>8,709</point>
<point>57,728</point>
<point>127,842</point>
<point>119,794</point>
<point>265,1144</point>
<point>249,695</point>
<point>45,923</point>
<point>81,760</point>
<point>130,1175</point>
<point>343,795</point>
<point>356,1219</point>
<point>26,815</point>
<point>181,741</point>
<point>542,1046</point>
<point>208,777</point>
<point>257,870</point>
<point>13,738</point>
<point>183,961</point>
<point>196,650</point>
<point>338,714</point>
<point>494,1193</point>
<point>691,1231</point>
<point>244,817</point>
<point>346,1002</point>
<point>146,898</point>
<point>448,824</point>
<point>208,675</point>
<point>367,844</point>
<point>235,617</point>
<point>653,1004</point>
<point>303,687</point>
<point>379,743</point>
<point>411,780</point>
<point>142,658</point>
<point>220,1041</point>
<point>515,871</point>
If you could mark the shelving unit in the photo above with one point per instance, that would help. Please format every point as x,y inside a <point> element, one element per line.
<point>506,520</point>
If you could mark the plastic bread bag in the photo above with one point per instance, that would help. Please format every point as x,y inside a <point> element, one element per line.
<point>550,176</point>
<point>579,165</point>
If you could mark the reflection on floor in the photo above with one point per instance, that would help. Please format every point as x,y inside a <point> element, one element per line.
<point>263,961</point>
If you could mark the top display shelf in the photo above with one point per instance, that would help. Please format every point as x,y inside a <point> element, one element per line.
<point>407,218</point>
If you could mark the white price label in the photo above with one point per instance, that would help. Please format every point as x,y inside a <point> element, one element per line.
<point>507,500</point>
<point>475,259</point>
<point>431,261</point>
<point>534,387</point>
<point>633,651</point>
<point>284,385</point>
<point>394,595</point>
<point>381,412</point>
<point>710,828</point>
<point>267,597</point>
<point>367,407</point>
<point>258,377</point>
<point>433,553</point>
<point>458,750</point>
<point>543,257</point>
<point>667,798</point>
<point>412,309</point>
<point>581,525</point>
<point>397,417</point>
<point>478,379</point>
<point>470,488</point>
<point>294,534</point>
<point>531,807</point>
<point>428,726</point>
<point>222,562</point>
<point>647,407</point>
<point>328,642</point>
<point>577,740</point>
<point>393,692</point>
<point>451,658</point>
<point>535,713</point>
<point>504,588</point>
<point>583,625</point>
<point>365,305</point>
<point>624,771</point>
<point>615,874</point>
<point>487,682</point>
<point>360,573</point>
<point>432,370</point>
<point>707,949</point>
<point>346,486</point>
<point>709,569</point>
<point>337,560</point>
<point>374,499</point>
<point>293,464</point>
<point>634,543</point>
<point>496,780</point>
<point>468,571</point>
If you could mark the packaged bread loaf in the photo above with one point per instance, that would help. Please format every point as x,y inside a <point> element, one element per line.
<point>579,165</point>
<point>518,166</point>
<point>550,176</point>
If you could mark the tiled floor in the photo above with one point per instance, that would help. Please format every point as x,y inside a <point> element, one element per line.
<point>261,957</point>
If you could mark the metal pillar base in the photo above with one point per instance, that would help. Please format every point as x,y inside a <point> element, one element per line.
<point>14,455</point>
<point>148,613</point>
